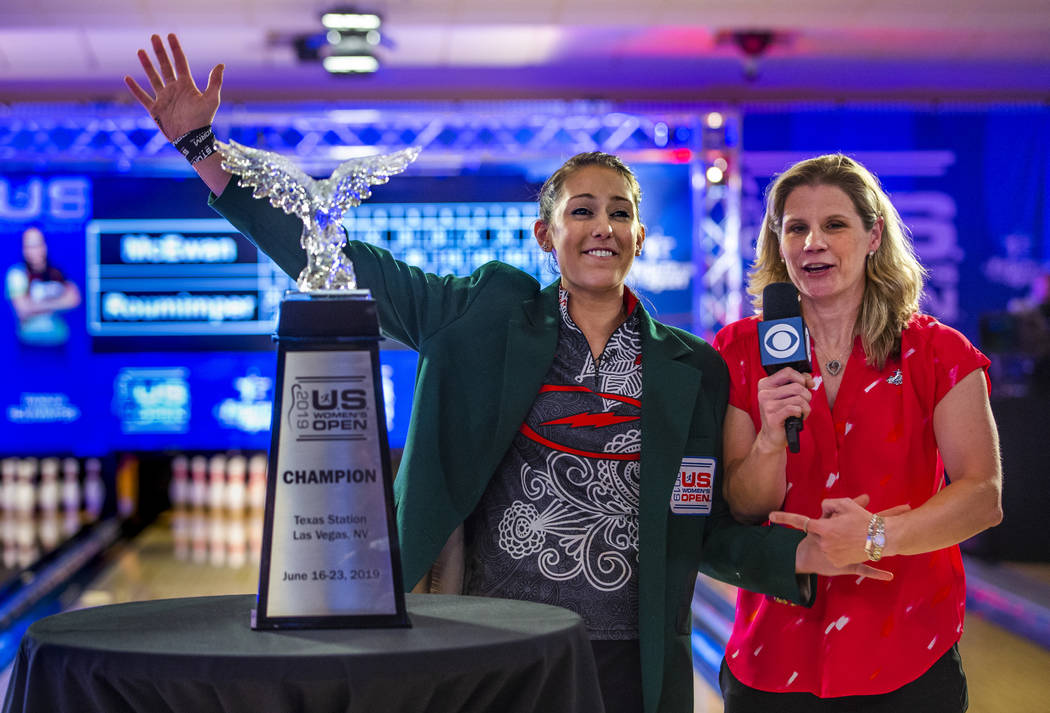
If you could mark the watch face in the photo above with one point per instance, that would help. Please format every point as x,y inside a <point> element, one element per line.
<point>879,539</point>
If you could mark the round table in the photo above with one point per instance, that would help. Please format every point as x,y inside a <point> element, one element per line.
<point>199,655</point>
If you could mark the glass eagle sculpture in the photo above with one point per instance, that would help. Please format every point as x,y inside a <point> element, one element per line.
<point>319,203</point>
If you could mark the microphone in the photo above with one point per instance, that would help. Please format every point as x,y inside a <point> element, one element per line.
<point>783,341</point>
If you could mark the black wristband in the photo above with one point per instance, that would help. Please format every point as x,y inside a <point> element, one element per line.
<point>196,145</point>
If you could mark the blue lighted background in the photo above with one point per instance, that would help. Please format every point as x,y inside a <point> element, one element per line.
<point>161,383</point>
<point>972,184</point>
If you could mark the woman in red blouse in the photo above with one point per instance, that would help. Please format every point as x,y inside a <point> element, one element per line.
<point>895,400</point>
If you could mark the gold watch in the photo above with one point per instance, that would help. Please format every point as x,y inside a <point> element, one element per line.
<point>876,539</point>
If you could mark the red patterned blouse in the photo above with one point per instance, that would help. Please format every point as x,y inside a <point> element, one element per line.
<point>861,636</point>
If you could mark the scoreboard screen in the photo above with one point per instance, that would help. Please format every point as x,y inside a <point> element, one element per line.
<point>178,277</point>
<point>137,319</point>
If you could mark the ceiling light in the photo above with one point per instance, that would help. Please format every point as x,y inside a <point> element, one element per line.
<point>350,64</point>
<point>349,53</point>
<point>346,44</point>
<point>351,20</point>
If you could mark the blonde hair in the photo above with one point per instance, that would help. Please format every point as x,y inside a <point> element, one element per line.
<point>893,276</point>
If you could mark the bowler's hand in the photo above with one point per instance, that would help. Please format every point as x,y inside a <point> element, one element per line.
<point>176,104</point>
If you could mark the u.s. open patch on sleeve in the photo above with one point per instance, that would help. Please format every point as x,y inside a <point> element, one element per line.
<point>694,488</point>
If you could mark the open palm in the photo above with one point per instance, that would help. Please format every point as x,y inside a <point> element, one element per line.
<point>176,104</point>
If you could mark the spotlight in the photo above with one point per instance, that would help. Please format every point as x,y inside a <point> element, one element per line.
<point>350,64</point>
<point>717,171</point>
<point>351,20</point>
<point>349,40</point>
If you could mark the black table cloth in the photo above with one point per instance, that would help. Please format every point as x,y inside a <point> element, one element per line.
<point>199,655</point>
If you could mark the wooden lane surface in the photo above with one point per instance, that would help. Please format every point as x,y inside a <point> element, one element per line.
<point>183,556</point>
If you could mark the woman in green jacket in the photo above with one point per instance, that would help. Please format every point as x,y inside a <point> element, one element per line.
<point>576,440</point>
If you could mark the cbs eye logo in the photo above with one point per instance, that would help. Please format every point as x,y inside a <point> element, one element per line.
<point>781,341</point>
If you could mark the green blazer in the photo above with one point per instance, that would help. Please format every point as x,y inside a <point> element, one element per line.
<point>485,342</point>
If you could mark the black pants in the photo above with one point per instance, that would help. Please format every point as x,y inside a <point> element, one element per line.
<point>619,675</point>
<point>942,689</point>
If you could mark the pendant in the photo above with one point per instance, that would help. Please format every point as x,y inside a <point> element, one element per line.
<point>833,367</point>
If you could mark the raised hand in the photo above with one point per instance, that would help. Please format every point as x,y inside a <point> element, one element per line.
<point>176,104</point>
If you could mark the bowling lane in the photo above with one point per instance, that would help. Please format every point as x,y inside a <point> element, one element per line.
<point>209,542</point>
<point>197,551</point>
<point>1006,672</point>
<point>185,553</point>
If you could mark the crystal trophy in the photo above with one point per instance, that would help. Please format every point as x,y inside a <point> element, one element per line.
<point>330,556</point>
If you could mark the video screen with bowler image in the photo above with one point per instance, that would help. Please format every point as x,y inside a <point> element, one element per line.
<point>138,320</point>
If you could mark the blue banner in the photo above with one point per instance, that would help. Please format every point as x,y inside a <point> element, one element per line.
<point>972,185</point>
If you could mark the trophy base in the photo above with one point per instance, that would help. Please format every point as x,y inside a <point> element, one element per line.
<point>329,315</point>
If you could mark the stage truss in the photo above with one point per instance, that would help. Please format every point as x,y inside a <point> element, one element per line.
<point>453,136</point>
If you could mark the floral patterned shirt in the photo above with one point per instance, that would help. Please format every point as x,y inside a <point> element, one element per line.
<point>558,522</point>
<point>861,636</point>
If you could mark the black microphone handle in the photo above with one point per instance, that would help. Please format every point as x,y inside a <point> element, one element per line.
<point>792,426</point>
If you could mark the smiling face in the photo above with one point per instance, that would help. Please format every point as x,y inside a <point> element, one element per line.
<point>824,244</point>
<point>593,231</point>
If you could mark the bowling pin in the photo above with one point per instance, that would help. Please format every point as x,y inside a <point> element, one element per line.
<point>217,481</point>
<point>198,481</point>
<point>257,482</point>
<point>71,485</point>
<point>8,476</point>
<point>236,494</point>
<point>9,535</point>
<point>25,535</point>
<point>255,535</point>
<point>180,530</point>
<point>94,489</point>
<point>199,536</point>
<point>48,491</point>
<point>179,488</point>
<point>70,523</point>
<point>217,537</point>
<point>236,540</point>
<point>25,487</point>
<point>49,529</point>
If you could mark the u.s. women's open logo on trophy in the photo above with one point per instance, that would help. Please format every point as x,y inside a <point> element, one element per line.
<point>330,555</point>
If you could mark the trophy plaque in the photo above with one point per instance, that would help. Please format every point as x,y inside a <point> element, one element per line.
<point>330,556</point>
